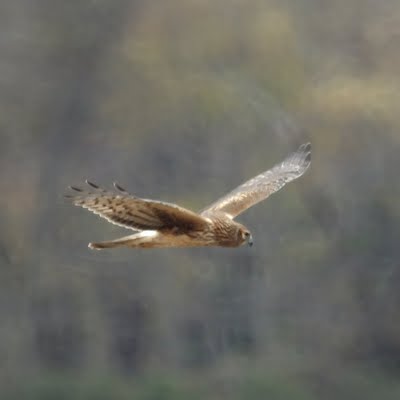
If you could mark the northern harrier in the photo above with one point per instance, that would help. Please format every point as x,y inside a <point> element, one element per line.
<point>160,224</point>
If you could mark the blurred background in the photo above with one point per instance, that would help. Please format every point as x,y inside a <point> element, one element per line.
<point>182,101</point>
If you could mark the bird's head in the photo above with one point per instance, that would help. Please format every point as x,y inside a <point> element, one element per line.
<point>244,236</point>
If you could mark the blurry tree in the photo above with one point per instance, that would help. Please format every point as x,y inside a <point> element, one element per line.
<point>182,100</point>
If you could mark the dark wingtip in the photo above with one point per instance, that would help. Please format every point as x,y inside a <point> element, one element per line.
<point>119,187</point>
<point>77,189</point>
<point>93,185</point>
<point>305,147</point>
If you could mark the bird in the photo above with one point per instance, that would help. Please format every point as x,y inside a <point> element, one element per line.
<point>158,224</point>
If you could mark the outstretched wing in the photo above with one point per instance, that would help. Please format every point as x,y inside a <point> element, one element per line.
<point>263,185</point>
<point>131,212</point>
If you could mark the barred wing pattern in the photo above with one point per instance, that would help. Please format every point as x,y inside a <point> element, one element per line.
<point>263,185</point>
<point>160,224</point>
<point>135,213</point>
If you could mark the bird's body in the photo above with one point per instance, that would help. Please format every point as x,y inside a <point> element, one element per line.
<point>161,224</point>
<point>220,230</point>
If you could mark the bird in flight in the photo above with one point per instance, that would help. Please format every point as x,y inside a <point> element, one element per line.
<point>160,224</point>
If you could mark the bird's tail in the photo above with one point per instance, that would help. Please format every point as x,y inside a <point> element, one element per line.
<point>139,239</point>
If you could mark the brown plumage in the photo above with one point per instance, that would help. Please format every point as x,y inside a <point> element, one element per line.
<point>161,224</point>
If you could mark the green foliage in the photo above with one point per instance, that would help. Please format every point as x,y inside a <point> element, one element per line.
<point>256,386</point>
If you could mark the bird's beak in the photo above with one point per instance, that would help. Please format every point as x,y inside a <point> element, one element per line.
<point>250,241</point>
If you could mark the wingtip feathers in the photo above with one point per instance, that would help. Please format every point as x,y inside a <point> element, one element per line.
<point>119,187</point>
<point>93,185</point>
<point>303,155</point>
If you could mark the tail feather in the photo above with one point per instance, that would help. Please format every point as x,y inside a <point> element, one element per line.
<point>104,245</point>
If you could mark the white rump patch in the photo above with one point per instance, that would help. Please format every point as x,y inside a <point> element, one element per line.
<point>147,234</point>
